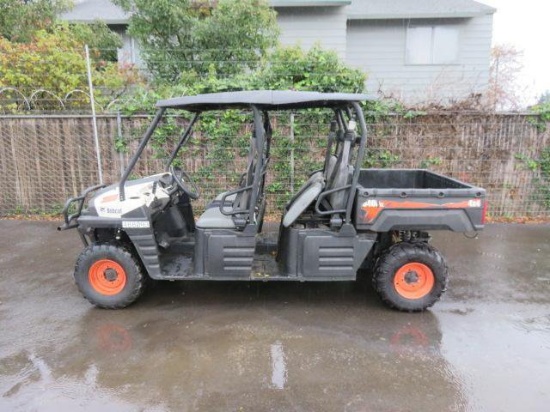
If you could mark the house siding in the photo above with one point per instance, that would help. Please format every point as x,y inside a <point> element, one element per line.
<point>307,25</point>
<point>378,47</point>
<point>369,35</point>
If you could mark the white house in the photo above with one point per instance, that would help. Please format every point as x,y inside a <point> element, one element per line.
<point>416,50</point>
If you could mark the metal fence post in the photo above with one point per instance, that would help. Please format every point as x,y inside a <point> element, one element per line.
<point>119,136</point>
<point>292,153</point>
<point>94,117</point>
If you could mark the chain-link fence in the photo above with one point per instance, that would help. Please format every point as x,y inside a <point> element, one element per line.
<point>46,159</point>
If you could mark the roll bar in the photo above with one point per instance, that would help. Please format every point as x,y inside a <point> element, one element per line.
<point>358,163</point>
<point>139,151</point>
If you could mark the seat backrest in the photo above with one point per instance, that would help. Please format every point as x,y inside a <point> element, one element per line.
<point>243,198</point>
<point>256,157</point>
<point>340,175</point>
<point>330,167</point>
<point>304,198</point>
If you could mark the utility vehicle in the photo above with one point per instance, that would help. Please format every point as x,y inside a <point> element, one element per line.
<point>344,218</point>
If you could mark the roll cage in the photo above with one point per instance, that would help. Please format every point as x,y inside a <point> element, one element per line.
<point>348,114</point>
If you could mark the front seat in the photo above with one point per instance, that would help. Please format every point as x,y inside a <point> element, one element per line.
<point>213,218</point>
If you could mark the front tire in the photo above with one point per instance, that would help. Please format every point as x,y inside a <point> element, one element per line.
<point>410,277</point>
<point>109,276</point>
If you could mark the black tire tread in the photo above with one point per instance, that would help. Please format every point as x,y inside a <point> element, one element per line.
<point>138,284</point>
<point>409,251</point>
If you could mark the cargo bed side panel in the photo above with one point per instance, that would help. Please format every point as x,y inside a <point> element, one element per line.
<point>425,201</point>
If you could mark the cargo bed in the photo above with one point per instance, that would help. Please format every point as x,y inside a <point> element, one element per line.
<point>417,199</point>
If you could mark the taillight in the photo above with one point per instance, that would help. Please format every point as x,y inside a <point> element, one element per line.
<point>484,211</point>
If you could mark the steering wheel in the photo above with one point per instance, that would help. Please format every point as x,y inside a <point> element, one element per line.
<point>185,183</point>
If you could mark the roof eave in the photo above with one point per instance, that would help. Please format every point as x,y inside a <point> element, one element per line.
<point>449,15</point>
<point>106,21</point>
<point>311,3</point>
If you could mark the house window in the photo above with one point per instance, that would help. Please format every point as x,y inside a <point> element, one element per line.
<point>432,45</point>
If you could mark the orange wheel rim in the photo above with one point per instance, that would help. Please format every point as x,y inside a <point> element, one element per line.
<point>107,277</point>
<point>414,280</point>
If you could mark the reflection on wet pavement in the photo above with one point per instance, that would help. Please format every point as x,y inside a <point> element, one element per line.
<point>278,366</point>
<point>278,346</point>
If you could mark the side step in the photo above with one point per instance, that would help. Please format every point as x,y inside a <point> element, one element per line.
<point>177,266</point>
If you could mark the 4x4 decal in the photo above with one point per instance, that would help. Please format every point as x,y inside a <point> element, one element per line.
<point>373,207</point>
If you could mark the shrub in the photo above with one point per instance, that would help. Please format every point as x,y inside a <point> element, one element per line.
<point>54,62</point>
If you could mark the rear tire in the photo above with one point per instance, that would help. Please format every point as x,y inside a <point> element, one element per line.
<point>109,276</point>
<point>410,277</point>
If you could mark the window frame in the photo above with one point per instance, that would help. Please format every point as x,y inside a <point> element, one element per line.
<point>432,26</point>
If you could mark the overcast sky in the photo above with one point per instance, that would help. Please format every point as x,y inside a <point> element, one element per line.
<point>526,25</point>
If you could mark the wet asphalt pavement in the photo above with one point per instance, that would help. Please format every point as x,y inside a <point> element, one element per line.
<point>277,346</point>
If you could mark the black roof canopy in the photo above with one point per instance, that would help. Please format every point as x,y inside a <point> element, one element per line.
<point>263,99</point>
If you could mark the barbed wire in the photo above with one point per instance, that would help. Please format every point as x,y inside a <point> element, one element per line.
<point>12,100</point>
